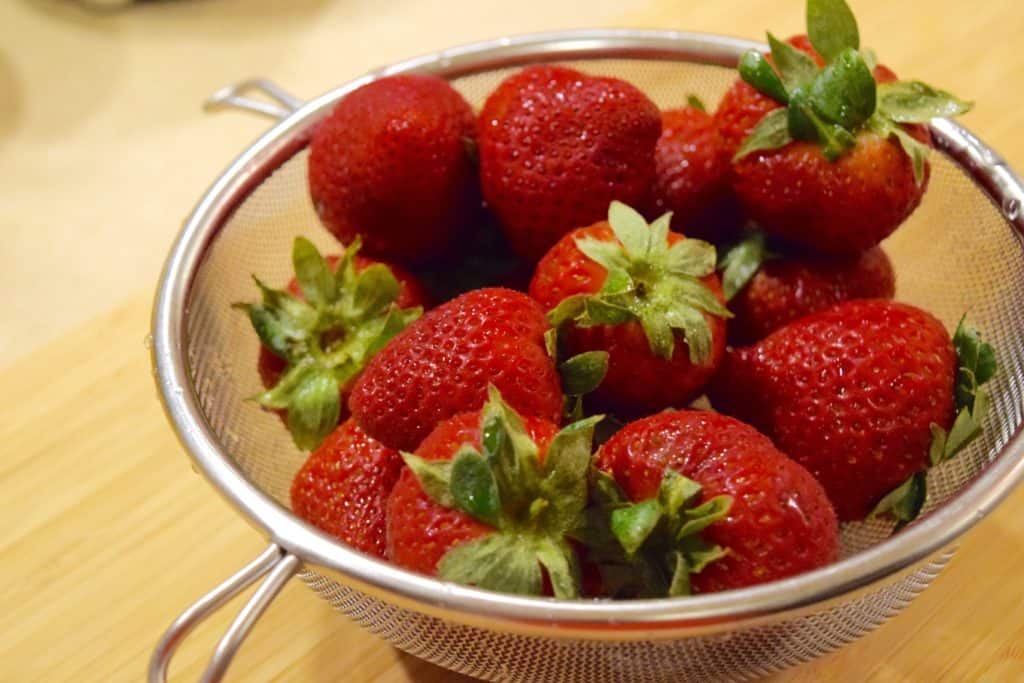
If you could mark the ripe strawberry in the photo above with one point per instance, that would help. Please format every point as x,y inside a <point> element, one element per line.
<point>692,175</point>
<point>490,498</point>
<point>317,341</point>
<point>707,499</point>
<point>634,291</point>
<point>441,365</point>
<point>556,146</point>
<point>390,164</point>
<point>765,294</point>
<point>838,164</point>
<point>850,392</point>
<point>343,486</point>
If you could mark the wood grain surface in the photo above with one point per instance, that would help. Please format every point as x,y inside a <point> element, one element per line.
<point>106,533</point>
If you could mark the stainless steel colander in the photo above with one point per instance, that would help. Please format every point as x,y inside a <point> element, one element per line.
<point>961,251</point>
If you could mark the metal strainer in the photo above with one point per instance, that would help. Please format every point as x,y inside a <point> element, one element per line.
<point>961,251</point>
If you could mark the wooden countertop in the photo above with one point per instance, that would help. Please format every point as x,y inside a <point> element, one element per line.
<point>106,534</point>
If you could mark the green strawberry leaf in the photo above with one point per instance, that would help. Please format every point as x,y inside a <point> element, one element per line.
<point>473,487</point>
<point>758,72</point>
<point>314,407</point>
<point>692,257</point>
<point>976,361</point>
<point>917,102</point>
<point>584,372</point>
<point>562,567</point>
<point>658,240</point>
<point>698,518</point>
<point>633,524</point>
<point>703,554</point>
<point>695,102</point>
<point>741,262</point>
<point>844,92</point>
<point>376,289</point>
<point>917,151</point>
<point>502,562</point>
<point>660,337</point>
<point>512,454</point>
<point>564,479</point>
<point>805,124</point>
<point>680,583</point>
<point>434,477</point>
<point>567,309</point>
<point>905,502</point>
<point>600,312</point>
<point>831,27</point>
<point>630,229</point>
<point>676,491</point>
<point>771,133</point>
<point>796,67</point>
<point>314,275</point>
<point>608,254</point>
<point>696,331</point>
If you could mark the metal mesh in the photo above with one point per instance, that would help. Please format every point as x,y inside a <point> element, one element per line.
<point>955,254</point>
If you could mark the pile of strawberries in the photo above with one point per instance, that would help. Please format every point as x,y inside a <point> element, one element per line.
<point>530,432</point>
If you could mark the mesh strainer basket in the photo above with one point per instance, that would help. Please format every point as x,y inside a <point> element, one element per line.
<point>961,250</point>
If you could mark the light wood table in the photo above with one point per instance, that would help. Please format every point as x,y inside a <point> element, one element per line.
<point>106,534</point>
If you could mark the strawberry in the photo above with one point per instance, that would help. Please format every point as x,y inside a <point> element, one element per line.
<point>391,164</point>
<point>701,500</point>
<point>557,145</point>
<point>343,486</point>
<point>325,334</point>
<point>858,394</point>
<point>692,168</point>
<point>646,296</point>
<point>767,290</point>
<point>441,366</point>
<point>490,499</point>
<point>840,161</point>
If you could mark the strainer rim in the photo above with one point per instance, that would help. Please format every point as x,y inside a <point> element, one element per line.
<point>180,401</point>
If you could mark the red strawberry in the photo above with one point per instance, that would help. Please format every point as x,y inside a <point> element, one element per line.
<point>489,499</point>
<point>410,295</point>
<point>836,161</point>
<point>692,175</point>
<point>646,296</point>
<point>343,486</point>
<point>319,334</point>
<point>764,294</point>
<point>754,515</point>
<point>556,146</point>
<point>390,164</point>
<point>441,365</point>
<point>850,392</point>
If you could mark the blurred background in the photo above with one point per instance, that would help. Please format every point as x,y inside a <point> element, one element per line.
<point>104,147</point>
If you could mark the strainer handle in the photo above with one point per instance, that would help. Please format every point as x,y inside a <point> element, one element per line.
<point>281,104</point>
<point>274,563</point>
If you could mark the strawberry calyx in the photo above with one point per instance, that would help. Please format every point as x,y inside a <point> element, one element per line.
<point>649,281</point>
<point>976,366</point>
<point>829,105</point>
<point>651,548</point>
<point>533,507</point>
<point>327,337</point>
